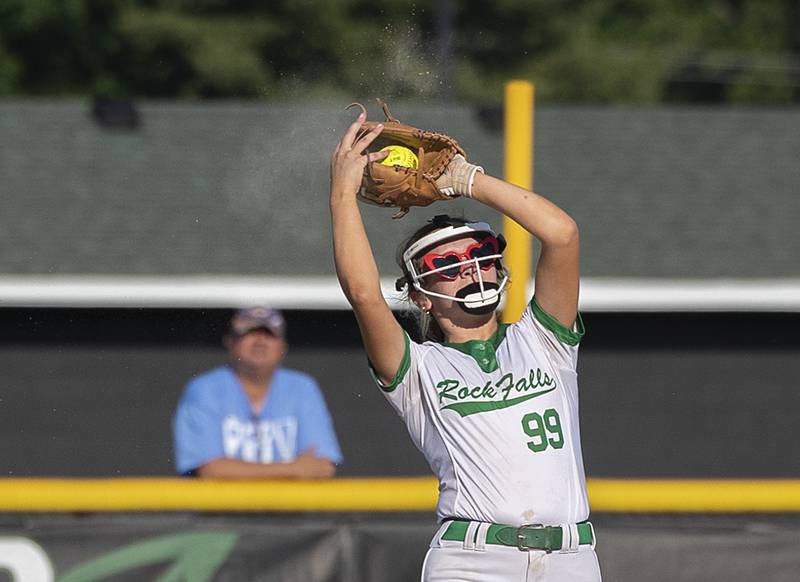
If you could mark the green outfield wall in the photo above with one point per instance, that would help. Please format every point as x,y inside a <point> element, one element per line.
<point>90,393</point>
<point>361,548</point>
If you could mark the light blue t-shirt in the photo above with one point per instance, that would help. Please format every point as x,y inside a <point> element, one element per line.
<point>214,419</point>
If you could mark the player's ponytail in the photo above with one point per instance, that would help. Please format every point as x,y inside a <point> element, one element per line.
<point>429,328</point>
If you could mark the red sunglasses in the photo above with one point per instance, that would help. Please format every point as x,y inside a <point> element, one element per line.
<point>449,265</point>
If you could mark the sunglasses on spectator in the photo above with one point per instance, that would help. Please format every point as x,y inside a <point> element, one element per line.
<point>450,264</point>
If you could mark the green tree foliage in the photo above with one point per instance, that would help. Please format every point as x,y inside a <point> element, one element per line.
<point>596,51</point>
<point>637,51</point>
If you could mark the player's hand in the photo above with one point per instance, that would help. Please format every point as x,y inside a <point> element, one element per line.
<point>309,466</point>
<point>349,160</point>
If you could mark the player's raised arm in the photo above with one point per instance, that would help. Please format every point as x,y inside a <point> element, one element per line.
<point>355,263</point>
<point>557,272</point>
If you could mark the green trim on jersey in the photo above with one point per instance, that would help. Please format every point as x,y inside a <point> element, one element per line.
<point>483,352</point>
<point>405,364</point>
<point>563,333</point>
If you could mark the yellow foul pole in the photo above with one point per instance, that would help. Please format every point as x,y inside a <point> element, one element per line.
<point>519,97</point>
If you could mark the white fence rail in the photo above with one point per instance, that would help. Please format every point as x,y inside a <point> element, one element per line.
<point>597,294</point>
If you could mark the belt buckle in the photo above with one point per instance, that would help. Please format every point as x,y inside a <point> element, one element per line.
<point>521,538</point>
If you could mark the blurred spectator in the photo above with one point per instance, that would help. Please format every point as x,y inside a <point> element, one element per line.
<point>253,419</point>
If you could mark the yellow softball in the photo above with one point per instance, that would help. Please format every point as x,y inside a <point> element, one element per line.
<point>400,156</point>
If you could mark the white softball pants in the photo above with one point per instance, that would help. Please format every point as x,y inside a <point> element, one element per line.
<point>452,561</point>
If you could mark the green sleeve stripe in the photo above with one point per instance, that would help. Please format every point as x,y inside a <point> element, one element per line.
<point>405,364</point>
<point>564,334</point>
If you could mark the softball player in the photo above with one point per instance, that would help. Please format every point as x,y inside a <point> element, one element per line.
<point>493,407</point>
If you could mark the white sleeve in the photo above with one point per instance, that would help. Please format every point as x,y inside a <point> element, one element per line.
<point>403,393</point>
<point>559,340</point>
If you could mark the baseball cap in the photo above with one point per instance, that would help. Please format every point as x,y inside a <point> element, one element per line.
<point>246,320</point>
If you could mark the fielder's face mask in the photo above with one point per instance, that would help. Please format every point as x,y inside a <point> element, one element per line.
<point>477,298</point>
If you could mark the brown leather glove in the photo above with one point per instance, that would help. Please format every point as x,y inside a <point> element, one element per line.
<point>442,174</point>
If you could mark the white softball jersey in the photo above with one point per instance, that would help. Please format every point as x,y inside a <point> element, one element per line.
<point>497,421</point>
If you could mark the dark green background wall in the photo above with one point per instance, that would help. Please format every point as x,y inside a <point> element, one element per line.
<point>91,392</point>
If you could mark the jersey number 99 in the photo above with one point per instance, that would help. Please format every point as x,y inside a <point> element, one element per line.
<point>544,430</point>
